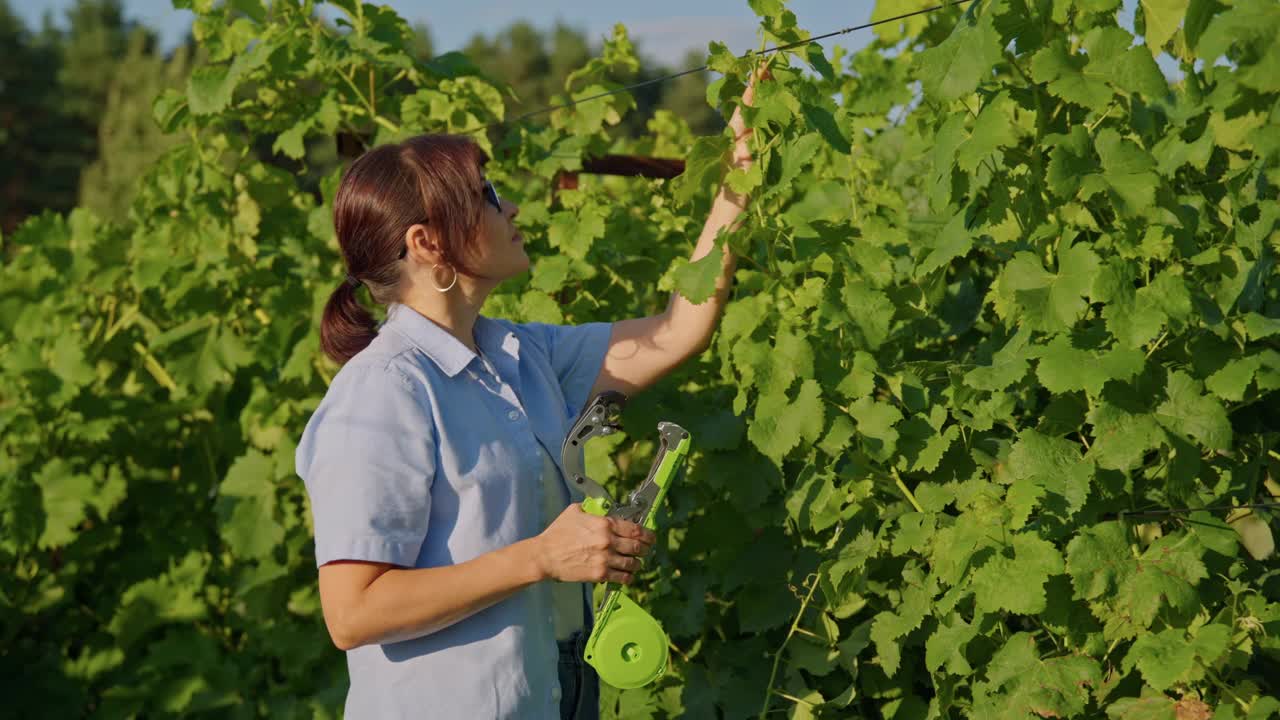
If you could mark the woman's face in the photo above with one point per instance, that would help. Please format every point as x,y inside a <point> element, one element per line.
<point>499,245</point>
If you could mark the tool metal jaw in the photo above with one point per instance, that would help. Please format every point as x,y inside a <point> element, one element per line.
<point>598,419</point>
<point>628,647</point>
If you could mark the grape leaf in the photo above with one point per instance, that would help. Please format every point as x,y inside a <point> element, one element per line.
<point>915,529</point>
<point>1113,58</point>
<point>63,493</point>
<point>1167,656</point>
<point>1128,170</point>
<point>1043,300</point>
<point>251,530</point>
<point>852,556</point>
<point>696,281</point>
<point>922,445</point>
<point>875,424</point>
<point>1191,413</point>
<point>1053,464</point>
<point>68,361</point>
<point>870,311</point>
<point>1259,326</point>
<point>574,233</point>
<point>1163,18</point>
<point>1020,684</point>
<point>175,596</point>
<point>953,242</point>
<point>781,424</point>
<point>1008,364</point>
<point>956,65</point>
<point>1153,707</point>
<point>1066,78</point>
<point>1121,439</point>
<point>210,87</point>
<point>1163,578</point>
<point>1017,584</point>
<point>1070,159</point>
<point>1253,22</point>
<point>954,546</point>
<point>992,129</point>
<point>1230,382</point>
<point>550,272</point>
<point>1063,368</point>
<point>891,625</point>
<point>945,647</point>
<point>1098,560</point>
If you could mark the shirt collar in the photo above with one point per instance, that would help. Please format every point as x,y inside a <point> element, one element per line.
<point>445,350</point>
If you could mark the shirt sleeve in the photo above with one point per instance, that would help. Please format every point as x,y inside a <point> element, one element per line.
<point>577,354</point>
<point>367,457</point>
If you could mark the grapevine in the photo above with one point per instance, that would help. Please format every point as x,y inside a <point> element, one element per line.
<point>1007,294</point>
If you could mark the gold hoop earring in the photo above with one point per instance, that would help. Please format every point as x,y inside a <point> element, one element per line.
<point>433,278</point>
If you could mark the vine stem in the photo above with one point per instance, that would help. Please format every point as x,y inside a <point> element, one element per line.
<point>373,113</point>
<point>1217,681</point>
<point>1048,633</point>
<point>1009,57</point>
<point>124,320</point>
<point>905,490</point>
<point>213,471</point>
<point>777,658</point>
<point>810,633</point>
<point>680,652</point>
<point>792,698</point>
<point>1156,345</point>
<point>154,367</point>
<point>1104,116</point>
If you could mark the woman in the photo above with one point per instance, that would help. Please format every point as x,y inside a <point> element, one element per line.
<point>453,569</point>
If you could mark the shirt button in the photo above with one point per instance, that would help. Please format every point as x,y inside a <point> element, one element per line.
<point>513,415</point>
<point>555,695</point>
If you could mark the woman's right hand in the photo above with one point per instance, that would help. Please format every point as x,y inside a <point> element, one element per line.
<point>580,547</point>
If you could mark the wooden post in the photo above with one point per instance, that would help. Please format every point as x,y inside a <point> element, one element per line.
<point>351,146</point>
<point>621,165</point>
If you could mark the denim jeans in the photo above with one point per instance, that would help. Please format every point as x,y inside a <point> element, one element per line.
<point>579,683</point>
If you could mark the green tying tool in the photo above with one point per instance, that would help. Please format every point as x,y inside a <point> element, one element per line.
<point>627,646</point>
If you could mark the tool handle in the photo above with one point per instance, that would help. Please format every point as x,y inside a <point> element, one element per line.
<point>677,442</point>
<point>596,506</point>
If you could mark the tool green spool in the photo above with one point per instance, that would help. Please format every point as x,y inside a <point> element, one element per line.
<point>630,649</point>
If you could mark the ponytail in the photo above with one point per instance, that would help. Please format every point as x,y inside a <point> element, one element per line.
<point>432,179</point>
<point>347,326</point>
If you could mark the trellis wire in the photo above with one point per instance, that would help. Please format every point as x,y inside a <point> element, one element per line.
<point>690,71</point>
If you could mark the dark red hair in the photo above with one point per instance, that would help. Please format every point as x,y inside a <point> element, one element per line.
<point>433,180</point>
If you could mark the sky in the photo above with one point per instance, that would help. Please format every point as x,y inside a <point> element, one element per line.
<point>661,29</point>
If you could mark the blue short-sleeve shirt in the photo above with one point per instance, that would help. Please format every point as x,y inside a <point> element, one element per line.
<point>423,454</point>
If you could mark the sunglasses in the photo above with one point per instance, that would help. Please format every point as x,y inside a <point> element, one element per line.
<point>490,194</point>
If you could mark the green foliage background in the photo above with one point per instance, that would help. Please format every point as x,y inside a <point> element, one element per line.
<point>978,322</point>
